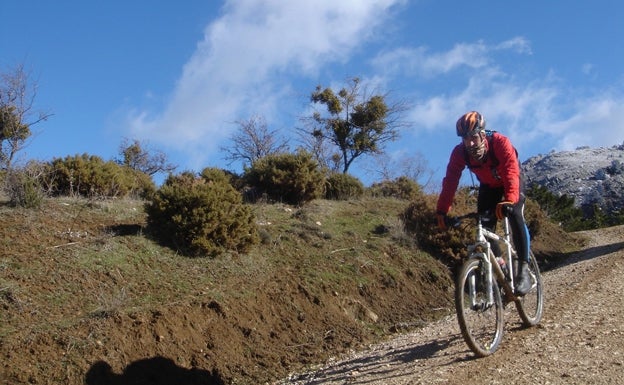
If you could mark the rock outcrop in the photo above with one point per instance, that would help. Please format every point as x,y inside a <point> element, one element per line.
<point>593,176</point>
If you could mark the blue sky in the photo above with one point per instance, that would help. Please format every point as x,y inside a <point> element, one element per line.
<point>178,75</point>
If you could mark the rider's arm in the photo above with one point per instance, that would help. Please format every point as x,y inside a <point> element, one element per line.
<point>508,167</point>
<point>454,169</point>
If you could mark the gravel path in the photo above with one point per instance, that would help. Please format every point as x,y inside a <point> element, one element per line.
<point>579,341</point>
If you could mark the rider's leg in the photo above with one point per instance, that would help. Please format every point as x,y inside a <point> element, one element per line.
<point>522,242</point>
<point>486,206</point>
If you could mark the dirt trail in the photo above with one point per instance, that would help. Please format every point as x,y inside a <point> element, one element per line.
<point>579,341</point>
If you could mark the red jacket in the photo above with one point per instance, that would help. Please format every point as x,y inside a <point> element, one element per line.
<point>506,174</point>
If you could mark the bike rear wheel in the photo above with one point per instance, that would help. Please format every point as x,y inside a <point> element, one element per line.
<point>531,305</point>
<point>481,323</point>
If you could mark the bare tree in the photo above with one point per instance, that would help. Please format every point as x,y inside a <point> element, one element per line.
<point>17,95</point>
<point>138,156</point>
<point>322,150</point>
<point>414,167</point>
<point>253,140</point>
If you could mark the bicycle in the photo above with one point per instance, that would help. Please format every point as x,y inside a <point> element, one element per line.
<point>484,286</point>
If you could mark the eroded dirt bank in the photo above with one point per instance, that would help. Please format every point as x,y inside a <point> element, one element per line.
<point>580,340</point>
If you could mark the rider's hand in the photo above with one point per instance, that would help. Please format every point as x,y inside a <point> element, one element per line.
<point>442,220</point>
<point>504,209</point>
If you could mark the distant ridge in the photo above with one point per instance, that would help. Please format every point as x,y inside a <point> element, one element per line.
<point>593,176</point>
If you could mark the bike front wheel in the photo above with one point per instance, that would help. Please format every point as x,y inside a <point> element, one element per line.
<point>480,320</point>
<point>531,305</point>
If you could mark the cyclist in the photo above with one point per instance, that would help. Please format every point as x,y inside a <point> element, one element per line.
<point>493,159</point>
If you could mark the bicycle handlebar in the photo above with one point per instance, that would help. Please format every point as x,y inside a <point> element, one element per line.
<point>457,220</point>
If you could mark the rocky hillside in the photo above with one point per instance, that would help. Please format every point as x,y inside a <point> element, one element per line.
<point>593,176</point>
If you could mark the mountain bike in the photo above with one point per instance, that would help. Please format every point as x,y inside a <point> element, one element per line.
<point>484,286</point>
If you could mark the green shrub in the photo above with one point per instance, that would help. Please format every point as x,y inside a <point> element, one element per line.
<point>201,215</point>
<point>91,176</point>
<point>219,175</point>
<point>561,209</point>
<point>289,178</point>
<point>343,187</point>
<point>400,188</point>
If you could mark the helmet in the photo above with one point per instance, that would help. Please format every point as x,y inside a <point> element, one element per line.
<point>470,123</point>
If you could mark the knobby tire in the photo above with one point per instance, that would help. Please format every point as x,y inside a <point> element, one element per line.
<point>531,306</point>
<point>481,326</point>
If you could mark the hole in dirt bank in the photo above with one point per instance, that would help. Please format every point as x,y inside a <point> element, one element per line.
<point>154,371</point>
<point>125,229</point>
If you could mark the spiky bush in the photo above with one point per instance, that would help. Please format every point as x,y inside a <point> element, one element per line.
<point>400,188</point>
<point>91,176</point>
<point>419,219</point>
<point>218,175</point>
<point>201,216</point>
<point>289,178</point>
<point>340,186</point>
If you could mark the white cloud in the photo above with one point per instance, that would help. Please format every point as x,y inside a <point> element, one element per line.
<point>535,116</point>
<point>596,122</point>
<point>518,44</point>
<point>516,109</point>
<point>419,62</point>
<point>246,55</point>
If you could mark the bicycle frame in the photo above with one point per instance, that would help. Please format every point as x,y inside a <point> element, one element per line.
<point>488,258</point>
<point>483,289</point>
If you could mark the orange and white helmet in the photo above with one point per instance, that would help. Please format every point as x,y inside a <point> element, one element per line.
<point>470,124</point>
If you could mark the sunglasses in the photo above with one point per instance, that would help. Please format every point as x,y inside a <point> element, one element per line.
<point>472,133</point>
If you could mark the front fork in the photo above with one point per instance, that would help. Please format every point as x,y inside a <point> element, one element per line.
<point>488,265</point>
<point>482,252</point>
